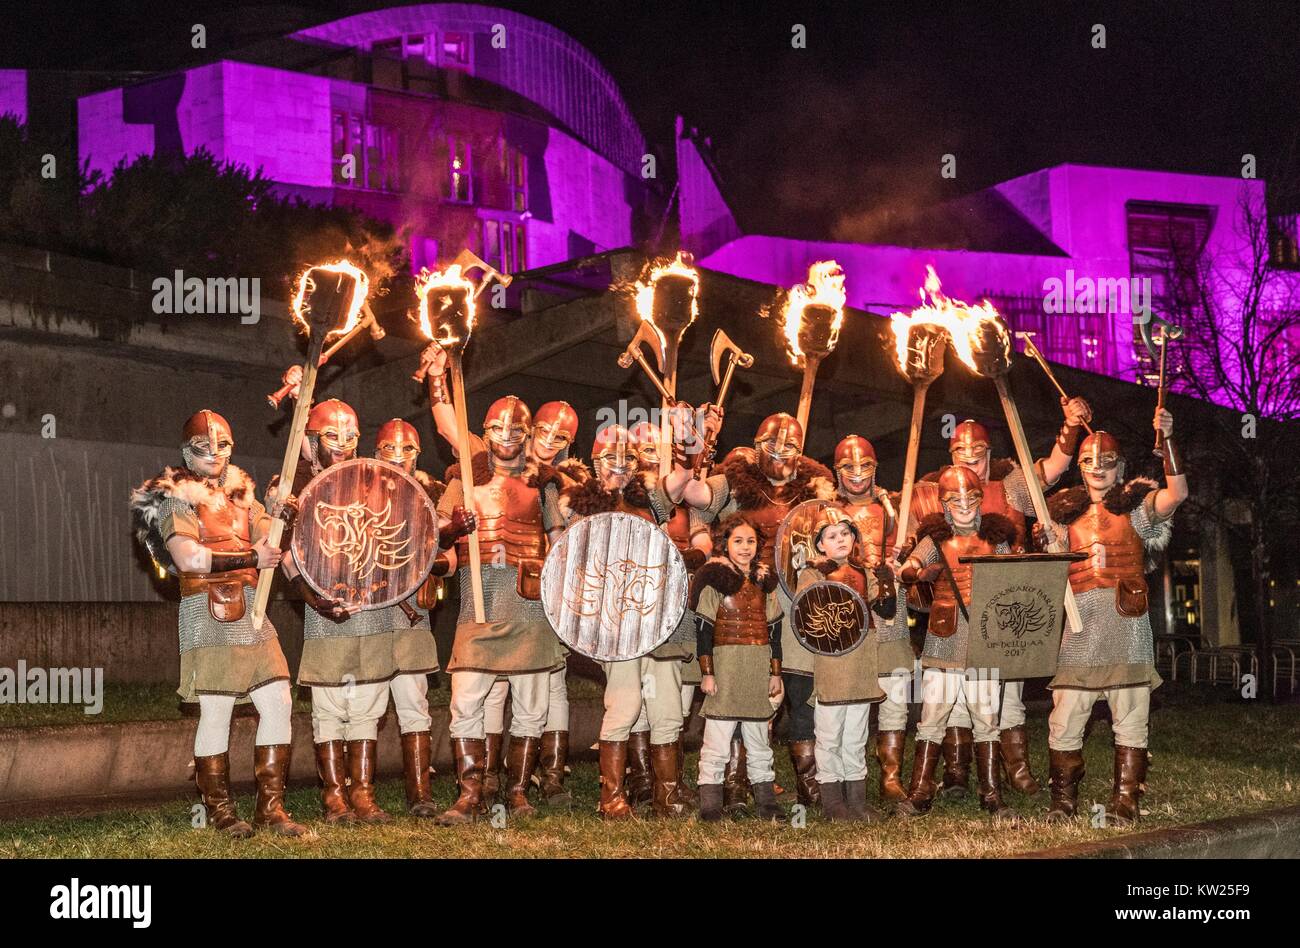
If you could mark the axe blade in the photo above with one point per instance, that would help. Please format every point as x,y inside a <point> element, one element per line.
<point>648,334</point>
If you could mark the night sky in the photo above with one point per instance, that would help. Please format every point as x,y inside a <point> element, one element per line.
<point>842,137</point>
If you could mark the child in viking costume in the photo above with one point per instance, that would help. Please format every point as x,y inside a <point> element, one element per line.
<point>738,633</point>
<point>517,513</point>
<point>1006,494</point>
<point>845,686</point>
<point>414,653</point>
<point>617,486</point>
<point>203,523</point>
<point>963,529</point>
<point>764,483</point>
<point>874,514</point>
<point>1111,658</point>
<point>347,654</point>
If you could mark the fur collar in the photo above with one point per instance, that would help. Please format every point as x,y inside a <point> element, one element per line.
<point>588,497</point>
<point>535,475</point>
<point>994,528</point>
<point>1067,506</point>
<point>751,489</point>
<point>720,573</point>
<point>825,565</point>
<point>574,469</point>
<point>999,469</point>
<point>431,487</point>
<point>180,483</point>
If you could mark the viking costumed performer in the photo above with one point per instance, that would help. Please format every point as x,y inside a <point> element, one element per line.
<point>555,426</point>
<point>874,515</point>
<point>764,483</point>
<point>347,654</point>
<point>203,523</point>
<point>415,655</point>
<point>1111,658</point>
<point>617,486</point>
<point>738,627</point>
<point>690,534</point>
<point>963,529</point>
<point>517,512</point>
<point>1006,494</point>
<point>845,686</point>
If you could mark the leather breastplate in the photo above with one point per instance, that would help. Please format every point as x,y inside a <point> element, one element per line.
<point>225,529</point>
<point>995,501</point>
<point>742,617</point>
<point>953,548</point>
<point>768,517</point>
<point>1116,551</point>
<point>870,521</point>
<point>509,521</point>
<point>850,576</point>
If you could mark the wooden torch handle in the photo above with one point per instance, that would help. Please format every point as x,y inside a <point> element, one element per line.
<point>467,479</point>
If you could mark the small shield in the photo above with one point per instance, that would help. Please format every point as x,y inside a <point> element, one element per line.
<point>829,618</point>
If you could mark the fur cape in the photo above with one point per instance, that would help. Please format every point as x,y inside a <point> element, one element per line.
<point>588,497</point>
<point>994,528</point>
<point>750,488</point>
<point>180,483</point>
<point>431,487</point>
<point>720,573</point>
<point>999,469</point>
<point>536,475</point>
<point>1067,506</point>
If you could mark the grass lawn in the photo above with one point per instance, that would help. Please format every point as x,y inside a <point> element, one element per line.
<point>1209,761</point>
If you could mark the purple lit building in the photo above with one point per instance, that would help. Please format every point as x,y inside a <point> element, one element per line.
<point>469,126</point>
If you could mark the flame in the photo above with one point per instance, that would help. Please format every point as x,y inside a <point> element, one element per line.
<point>306,285</point>
<point>962,322</point>
<point>452,278</point>
<point>644,290</point>
<point>825,286</point>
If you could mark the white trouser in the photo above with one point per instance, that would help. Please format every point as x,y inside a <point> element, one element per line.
<point>716,750</point>
<point>274,706</point>
<point>688,699</point>
<point>1130,710</point>
<point>557,708</point>
<point>1013,708</point>
<point>469,691</point>
<point>641,695</point>
<point>494,707</point>
<point>411,701</point>
<point>942,689</point>
<point>893,710</point>
<point>348,712</point>
<point>841,748</point>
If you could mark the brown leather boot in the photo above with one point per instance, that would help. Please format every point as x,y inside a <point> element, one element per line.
<point>685,792</point>
<point>988,760</point>
<point>362,757</point>
<point>492,772</point>
<point>555,753</point>
<point>331,765</point>
<point>1066,772</point>
<point>271,768</point>
<point>1130,782</point>
<point>920,795</point>
<point>640,784</point>
<point>521,761</point>
<point>807,789</point>
<point>417,755</point>
<point>765,805</point>
<point>1015,761</point>
<point>855,798</point>
<point>833,805</point>
<point>735,781</point>
<point>889,754</point>
<point>212,777</point>
<point>471,760</point>
<point>958,752</point>
<point>613,764</point>
<point>667,800</point>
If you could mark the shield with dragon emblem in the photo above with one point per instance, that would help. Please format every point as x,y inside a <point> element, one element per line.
<point>794,546</point>
<point>614,587</point>
<point>366,533</point>
<point>829,618</point>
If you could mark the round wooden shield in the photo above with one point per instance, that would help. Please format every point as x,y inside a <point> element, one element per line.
<point>614,587</point>
<point>794,548</point>
<point>829,618</point>
<point>366,533</point>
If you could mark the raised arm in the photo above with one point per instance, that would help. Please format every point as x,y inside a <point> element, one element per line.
<point>1077,412</point>
<point>1175,491</point>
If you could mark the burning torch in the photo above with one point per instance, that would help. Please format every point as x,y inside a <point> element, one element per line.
<point>667,302</point>
<point>325,292</point>
<point>293,377</point>
<point>813,314</point>
<point>920,340</point>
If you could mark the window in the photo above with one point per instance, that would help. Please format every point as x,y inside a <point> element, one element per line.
<point>517,178</point>
<point>504,245</point>
<point>460,177</point>
<point>455,50</point>
<point>372,148</point>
